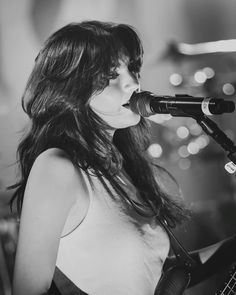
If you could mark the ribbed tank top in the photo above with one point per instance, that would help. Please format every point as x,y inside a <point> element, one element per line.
<point>113,250</point>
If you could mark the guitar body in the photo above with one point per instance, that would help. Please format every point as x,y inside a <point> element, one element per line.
<point>173,282</point>
<point>176,279</point>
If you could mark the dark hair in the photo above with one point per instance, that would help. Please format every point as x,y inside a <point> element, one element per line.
<point>77,61</point>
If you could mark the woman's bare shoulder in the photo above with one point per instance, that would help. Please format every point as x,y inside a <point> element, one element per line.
<point>54,161</point>
<point>54,175</point>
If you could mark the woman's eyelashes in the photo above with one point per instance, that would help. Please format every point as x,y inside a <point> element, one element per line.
<point>113,75</point>
<point>134,67</point>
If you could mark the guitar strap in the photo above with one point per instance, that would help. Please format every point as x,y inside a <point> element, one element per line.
<point>184,259</point>
<point>177,277</point>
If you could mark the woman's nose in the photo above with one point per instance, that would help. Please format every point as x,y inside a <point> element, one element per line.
<point>131,82</point>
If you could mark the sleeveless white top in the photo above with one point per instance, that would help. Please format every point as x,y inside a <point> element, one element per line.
<point>113,250</point>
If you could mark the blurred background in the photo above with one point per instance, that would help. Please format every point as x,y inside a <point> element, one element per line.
<point>182,55</point>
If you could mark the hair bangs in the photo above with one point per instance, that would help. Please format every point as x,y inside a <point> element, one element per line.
<point>117,43</point>
<point>131,42</point>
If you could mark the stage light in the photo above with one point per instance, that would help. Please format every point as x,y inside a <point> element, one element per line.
<point>202,141</point>
<point>228,89</point>
<point>183,151</point>
<point>155,150</point>
<point>184,164</point>
<point>175,79</point>
<point>209,72</point>
<point>193,148</point>
<point>182,132</point>
<point>200,77</point>
<point>195,129</point>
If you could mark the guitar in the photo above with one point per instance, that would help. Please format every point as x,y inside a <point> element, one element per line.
<point>229,287</point>
<point>176,280</point>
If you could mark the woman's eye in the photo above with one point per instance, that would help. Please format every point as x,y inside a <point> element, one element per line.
<point>135,74</point>
<point>135,70</point>
<point>113,76</point>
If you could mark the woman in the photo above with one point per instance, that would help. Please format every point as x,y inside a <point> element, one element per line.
<point>91,204</point>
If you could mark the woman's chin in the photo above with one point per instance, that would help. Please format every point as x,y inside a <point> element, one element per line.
<point>126,122</point>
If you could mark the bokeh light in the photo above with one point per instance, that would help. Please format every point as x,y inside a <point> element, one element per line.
<point>228,89</point>
<point>183,151</point>
<point>184,164</point>
<point>195,129</point>
<point>202,141</point>
<point>160,118</point>
<point>175,79</point>
<point>193,148</point>
<point>155,150</point>
<point>209,72</point>
<point>182,132</point>
<point>200,77</point>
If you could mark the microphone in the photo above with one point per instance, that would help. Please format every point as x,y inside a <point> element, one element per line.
<point>146,104</point>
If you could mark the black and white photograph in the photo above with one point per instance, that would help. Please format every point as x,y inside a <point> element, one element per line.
<point>117,147</point>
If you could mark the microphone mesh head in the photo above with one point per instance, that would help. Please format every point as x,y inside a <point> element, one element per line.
<point>140,103</point>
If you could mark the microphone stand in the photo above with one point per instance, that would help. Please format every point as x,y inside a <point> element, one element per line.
<point>211,128</point>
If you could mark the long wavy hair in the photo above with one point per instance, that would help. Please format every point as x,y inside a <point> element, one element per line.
<point>76,62</point>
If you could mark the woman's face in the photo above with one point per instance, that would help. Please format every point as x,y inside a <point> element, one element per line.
<point>108,104</point>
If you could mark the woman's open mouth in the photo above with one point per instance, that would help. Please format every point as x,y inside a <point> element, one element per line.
<point>126,105</point>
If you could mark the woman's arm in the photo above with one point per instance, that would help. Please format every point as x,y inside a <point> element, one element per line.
<point>52,189</point>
